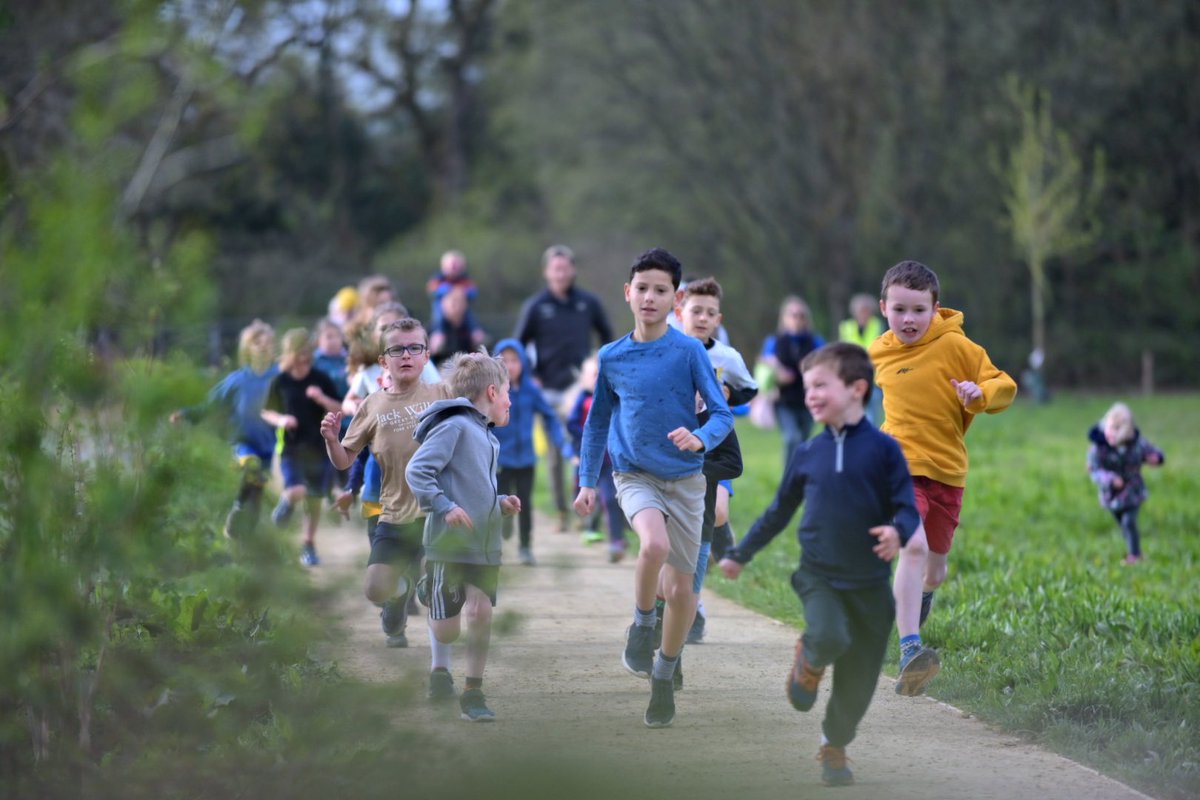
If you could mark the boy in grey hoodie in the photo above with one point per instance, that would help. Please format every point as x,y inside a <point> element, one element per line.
<point>453,477</point>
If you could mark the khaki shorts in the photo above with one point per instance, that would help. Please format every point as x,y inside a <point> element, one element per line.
<point>680,501</point>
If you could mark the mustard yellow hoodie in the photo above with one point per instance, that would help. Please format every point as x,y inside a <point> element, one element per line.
<point>921,409</point>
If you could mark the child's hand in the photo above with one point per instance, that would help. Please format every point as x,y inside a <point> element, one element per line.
<point>176,417</point>
<point>685,440</point>
<point>967,391</point>
<point>730,568</point>
<point>342,502</point>
<point>314,393</point>
<point>458,518</point>
<point>1118,482</point>
<point>331,426</point>
<point>510,505</point>
<point>585,501</point>
<point>889,541</point>
<point>1154,458</point>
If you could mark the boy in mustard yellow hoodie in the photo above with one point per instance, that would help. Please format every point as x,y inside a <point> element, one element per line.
<point>934,381</point>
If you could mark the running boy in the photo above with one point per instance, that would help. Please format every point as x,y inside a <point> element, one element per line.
<point>299,397</point>
<point>934,381</point>
<point>699,315</point>
<point>385,422</point>
<point>518,458</point>
<point>453,477</point>
<point>242,393</point>
<point>858,512</point>
<point>644,407</point>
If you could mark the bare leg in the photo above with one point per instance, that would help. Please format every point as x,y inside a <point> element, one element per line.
<point>651,527</point>
<point>680,610</point>
<point>910,575</point>
<point>478,611</point>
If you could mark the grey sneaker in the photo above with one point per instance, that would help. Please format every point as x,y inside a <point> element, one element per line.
<point>661,711</point>
<point>916,671</point>
<point>393,617</point>
<point>441,686</point>
<point>638,657</point>
<point>525,556</point>
<point>474,706</point>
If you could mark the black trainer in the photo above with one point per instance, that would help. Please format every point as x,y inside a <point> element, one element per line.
<point>696,632</point>
<point>661,711</point>
<point>441,686</point>
<point>638,657</point>
<point>393,617</point>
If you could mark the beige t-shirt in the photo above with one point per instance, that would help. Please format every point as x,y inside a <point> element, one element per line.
<point>385,421</point>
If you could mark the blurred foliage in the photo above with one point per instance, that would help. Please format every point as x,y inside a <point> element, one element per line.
<point>780,146</point>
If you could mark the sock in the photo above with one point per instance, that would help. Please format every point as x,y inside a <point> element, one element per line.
<point>644,618</point>
<point>401,587</point>
<point>700,609</point>
<point>473,683</point>
<point>664,667</point>
<point>910,644</point>
<point>439,653</point>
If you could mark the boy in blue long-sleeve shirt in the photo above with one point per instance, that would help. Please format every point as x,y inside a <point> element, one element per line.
<point>859,511</point>
<point>644,409</point>
<point>518,457</point>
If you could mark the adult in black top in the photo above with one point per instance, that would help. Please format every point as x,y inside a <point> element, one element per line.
<point>558,322</point>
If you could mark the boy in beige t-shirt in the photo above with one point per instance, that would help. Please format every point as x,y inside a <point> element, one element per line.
<point>385,422</point>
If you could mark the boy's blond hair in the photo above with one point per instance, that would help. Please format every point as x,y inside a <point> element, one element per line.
<point>469,374</point>
<point>251,333</point>
<point>296,343</point>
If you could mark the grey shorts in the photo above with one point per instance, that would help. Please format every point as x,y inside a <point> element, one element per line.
<point>680,501</point>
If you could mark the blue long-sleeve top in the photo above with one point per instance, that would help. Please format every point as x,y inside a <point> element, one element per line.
<point>644,391</point>
<point>242,394</point>
<point>850,481</point>
<point>516,438</point>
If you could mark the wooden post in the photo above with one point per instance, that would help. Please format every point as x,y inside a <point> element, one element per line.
<point>1147,373</point>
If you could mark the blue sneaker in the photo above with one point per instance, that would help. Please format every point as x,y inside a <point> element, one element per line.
<point>282,512</point>
<point>474,706</point>
<point>803,681</point>
<point>638,657</point>
<point>834,771</point>
<point>308,556</point>
<point>917,669</point>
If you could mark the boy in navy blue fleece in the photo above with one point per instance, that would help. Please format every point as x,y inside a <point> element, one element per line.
<point>518,458</point>
<point>859,511</point>
<point>644,408</point>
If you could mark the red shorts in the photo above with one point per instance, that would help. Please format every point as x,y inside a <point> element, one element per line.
<point>939,506</point>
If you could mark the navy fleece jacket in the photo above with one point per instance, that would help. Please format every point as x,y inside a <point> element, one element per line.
<point>849,481</point>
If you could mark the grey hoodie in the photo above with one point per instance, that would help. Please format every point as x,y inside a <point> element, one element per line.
<point>455,467</point>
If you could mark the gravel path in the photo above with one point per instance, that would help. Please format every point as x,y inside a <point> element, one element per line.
<point>569,717</point>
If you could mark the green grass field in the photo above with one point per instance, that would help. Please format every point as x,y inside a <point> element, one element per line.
<point>1041,629</point>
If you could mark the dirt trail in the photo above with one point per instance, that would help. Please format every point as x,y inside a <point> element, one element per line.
<point>569,717</point>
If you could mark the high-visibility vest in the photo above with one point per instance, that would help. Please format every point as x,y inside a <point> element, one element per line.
<point>848,331</point>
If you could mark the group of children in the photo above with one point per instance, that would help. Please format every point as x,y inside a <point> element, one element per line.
<point>653,434</point>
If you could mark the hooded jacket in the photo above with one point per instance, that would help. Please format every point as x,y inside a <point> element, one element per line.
<point>1124,461</point>
<point>920,407</point>
<point>516,438</point>
<point>455,467</point>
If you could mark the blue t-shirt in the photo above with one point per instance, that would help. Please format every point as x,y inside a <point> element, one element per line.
<point>644,391</point>
<point>243,393</point>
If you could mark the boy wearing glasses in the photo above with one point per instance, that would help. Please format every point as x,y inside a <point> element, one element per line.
<point>385,422</point>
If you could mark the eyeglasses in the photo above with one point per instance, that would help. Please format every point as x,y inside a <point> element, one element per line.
<point>398,350</point>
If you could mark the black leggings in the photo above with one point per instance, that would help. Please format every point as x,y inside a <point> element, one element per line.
<point>518,481</point>
<point>1127,519</point>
